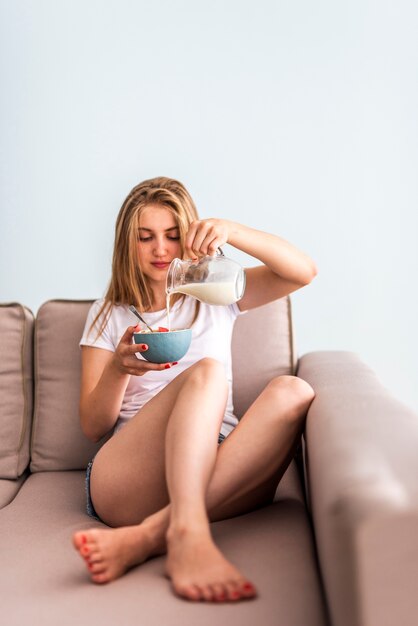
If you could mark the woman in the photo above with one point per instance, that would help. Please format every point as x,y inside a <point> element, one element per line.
<point>162,478</point>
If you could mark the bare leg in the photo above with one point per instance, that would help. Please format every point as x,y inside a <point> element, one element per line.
<point>249,464</point>
<point>195,565</point>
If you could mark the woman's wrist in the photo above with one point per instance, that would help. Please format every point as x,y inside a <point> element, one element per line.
<point>116,368</point>
<point>236,233</point>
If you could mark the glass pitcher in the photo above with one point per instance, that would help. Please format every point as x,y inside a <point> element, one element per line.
<point>212,279</point>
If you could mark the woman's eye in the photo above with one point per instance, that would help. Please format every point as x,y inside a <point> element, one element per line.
<point>150,238</point>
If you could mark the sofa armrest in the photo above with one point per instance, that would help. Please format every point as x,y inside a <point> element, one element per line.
<point>361,468</point>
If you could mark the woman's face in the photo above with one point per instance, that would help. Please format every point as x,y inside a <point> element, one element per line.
<point>158,242</point>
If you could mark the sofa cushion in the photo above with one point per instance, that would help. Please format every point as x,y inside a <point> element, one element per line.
<point>58,442</point>
<point>16,388</point>
<point>44,581</point>
<point>255,360</point>
<point>10,487</point>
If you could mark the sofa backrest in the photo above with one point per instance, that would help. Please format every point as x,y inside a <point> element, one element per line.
<point>57,440</point>
<point>258,356</point>
<point>16,388</point>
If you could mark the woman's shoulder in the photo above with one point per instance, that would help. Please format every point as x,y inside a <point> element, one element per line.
<point>105,322</point>
<point>101,304</point>
<point>104,312</point>
<point>97,304</point>
<point>97,308</point>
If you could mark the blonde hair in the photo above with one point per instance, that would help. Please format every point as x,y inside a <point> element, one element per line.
<point>128,284</point>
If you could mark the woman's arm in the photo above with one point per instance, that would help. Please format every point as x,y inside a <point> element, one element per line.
<point>104,378</point>
<point>102,389</point>
<point>285,268</point>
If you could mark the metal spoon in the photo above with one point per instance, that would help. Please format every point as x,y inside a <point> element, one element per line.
<point>135,312</point>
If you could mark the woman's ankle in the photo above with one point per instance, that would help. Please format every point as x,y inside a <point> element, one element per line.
<point>191,526</point>
<point>156,526</point>
<point>156,537</point>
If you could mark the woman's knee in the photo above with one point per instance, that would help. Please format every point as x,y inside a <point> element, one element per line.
<point>208,368</point>
<point>291,390</point>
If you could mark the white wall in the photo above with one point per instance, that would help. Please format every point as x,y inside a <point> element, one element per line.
<point>296,117</point>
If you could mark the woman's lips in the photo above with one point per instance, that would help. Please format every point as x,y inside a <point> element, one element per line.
<point>160,266</point>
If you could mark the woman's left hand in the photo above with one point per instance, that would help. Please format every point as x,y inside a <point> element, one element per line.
<point>205,236</point>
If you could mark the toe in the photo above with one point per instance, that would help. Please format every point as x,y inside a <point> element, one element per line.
<point>93,557</point>
<point>191,592</point>
<point>96,568</point>
<point>90,555</point>
<point>100,578</point>
<point>219,592</point>
<point>207,593</point>
<point>84,539</point>
<point>85,550</point>
<point>247,589</point>
<point>79,539</point>
<point>232,590</point>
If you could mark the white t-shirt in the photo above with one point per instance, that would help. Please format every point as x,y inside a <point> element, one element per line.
<point>211,337</point>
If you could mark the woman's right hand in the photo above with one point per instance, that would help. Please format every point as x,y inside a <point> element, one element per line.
<point>126,362</point>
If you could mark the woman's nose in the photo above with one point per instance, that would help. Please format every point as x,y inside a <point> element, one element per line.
<point>160,247</point>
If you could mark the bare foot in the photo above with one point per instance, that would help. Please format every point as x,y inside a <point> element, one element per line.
<point>109,553</point>
<point>199,571</point>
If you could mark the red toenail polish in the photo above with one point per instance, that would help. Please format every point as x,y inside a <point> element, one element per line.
<point>235,594</point>
<point>248,587</point>
<point>167,366</point>
<point>83,539</point>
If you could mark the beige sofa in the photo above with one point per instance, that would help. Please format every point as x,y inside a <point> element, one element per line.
<point>338,546</point>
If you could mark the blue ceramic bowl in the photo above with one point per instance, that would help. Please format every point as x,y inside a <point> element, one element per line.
<point>165,347</point>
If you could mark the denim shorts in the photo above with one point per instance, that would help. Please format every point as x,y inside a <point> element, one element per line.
<point>90,508</point>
